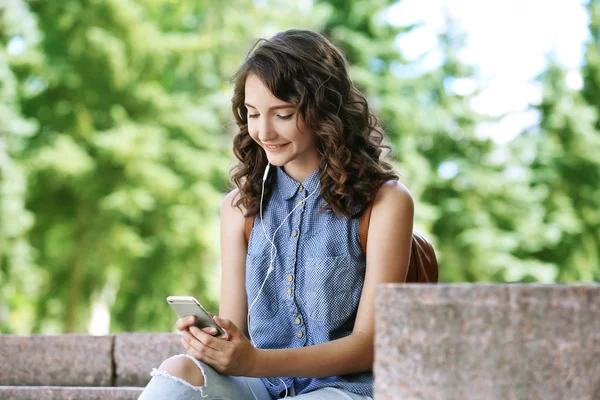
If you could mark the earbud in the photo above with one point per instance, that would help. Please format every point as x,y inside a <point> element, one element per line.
<point>266,172</point>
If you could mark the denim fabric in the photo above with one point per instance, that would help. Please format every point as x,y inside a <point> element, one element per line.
<point>222,387</point>
<point>216,386</point>
<point>312,295</point>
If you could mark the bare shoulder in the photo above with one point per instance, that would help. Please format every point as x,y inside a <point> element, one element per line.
<point>393,196</point>
<point>229,211</point>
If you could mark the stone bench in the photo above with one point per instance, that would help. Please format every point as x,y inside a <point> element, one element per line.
<point>81,366</point>
<point>484,342</point>
<point>433,342</point>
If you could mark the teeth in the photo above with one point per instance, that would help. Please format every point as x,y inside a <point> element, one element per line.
<point>274,147</point>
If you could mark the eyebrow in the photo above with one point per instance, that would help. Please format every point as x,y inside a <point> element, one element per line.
<point>272,108</point>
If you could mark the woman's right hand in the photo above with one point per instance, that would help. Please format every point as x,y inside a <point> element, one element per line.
<point>183,325</point>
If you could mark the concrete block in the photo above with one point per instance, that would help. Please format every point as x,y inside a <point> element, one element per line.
<point>487,341</point>
<point>62,360</point>
<point>137,353</point>
<point>68,393</point>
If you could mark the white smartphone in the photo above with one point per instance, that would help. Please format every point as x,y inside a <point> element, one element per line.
<point>185,306</point>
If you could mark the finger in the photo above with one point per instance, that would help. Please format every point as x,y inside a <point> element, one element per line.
<point>185,344</point>
<point>191,338</point>
<point>202,352</point>
<point>184,323</point>
<point>205,338</point>
<point>210,330</point>
<point>229,327</point>
<point>213,332</point>
<point>205,359</point>
<point>223,322</point>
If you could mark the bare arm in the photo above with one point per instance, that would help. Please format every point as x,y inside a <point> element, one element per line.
<point>233,303</point>
<point>388,255</point>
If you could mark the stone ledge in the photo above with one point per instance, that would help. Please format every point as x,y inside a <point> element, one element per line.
<point>137,353</point>
<point>486,341</point>
<point>59,360</point>
<point>69,393</point>
<point>124,359</point>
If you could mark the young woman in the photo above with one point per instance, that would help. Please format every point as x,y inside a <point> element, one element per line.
<point>298,298</point>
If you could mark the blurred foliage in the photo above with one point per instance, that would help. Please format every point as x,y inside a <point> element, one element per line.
<point>115,147</point>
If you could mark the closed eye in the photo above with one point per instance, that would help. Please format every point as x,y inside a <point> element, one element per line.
<point>284,117</point>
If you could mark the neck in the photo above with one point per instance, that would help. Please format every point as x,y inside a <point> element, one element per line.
<point>299,172</point>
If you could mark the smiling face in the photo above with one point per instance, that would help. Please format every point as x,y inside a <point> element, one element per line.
<point>275,125</point>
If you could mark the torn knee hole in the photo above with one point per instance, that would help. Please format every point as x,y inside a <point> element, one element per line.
<point>160,372</point>
<point>179,372</point>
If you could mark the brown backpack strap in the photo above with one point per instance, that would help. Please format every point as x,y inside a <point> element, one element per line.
<point>422,267</point>
<point>363,228</point>
<point>248,228</point>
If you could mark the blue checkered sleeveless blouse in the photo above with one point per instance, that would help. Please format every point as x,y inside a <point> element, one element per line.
<point>312,295</point>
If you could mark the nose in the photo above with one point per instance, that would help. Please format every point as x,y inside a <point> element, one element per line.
<point>266,132</point>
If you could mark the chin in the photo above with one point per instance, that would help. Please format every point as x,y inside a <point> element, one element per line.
<point>278,161</point>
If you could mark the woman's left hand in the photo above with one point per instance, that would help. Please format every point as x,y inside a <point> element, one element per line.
<point>233,356</point>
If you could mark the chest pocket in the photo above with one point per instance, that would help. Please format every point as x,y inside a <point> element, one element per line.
<point>333,287</point>
<point>266,305</point>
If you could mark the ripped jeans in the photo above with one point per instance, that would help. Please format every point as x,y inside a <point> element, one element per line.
<point>164,386</point>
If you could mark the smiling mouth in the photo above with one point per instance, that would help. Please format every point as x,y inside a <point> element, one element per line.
<point>274,147</point>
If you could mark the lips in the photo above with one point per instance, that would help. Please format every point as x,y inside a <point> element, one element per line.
<point>274,147</point>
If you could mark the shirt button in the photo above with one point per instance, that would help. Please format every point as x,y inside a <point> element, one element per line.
<point>299,335</point>
<point>294,233</point>
<point>297,321</point>
<point>290,278</point>
<point>300,201</point>
<point>289,292</point>
<point>300,188</point>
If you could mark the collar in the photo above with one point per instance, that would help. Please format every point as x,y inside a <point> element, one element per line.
<point>288,187</point>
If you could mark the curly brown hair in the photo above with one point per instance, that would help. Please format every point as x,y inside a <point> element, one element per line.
<point>305,69</point>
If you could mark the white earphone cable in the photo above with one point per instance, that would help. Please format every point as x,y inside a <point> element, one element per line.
<point>273,254</point>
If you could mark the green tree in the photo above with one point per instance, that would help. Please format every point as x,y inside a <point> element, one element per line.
<point>118,114</point>
<point>129,164</point>
<point>18,275</point>
<point>125,178</point>
<point>467,201</point>
<point>482,204</point>
<point>563,157</point>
